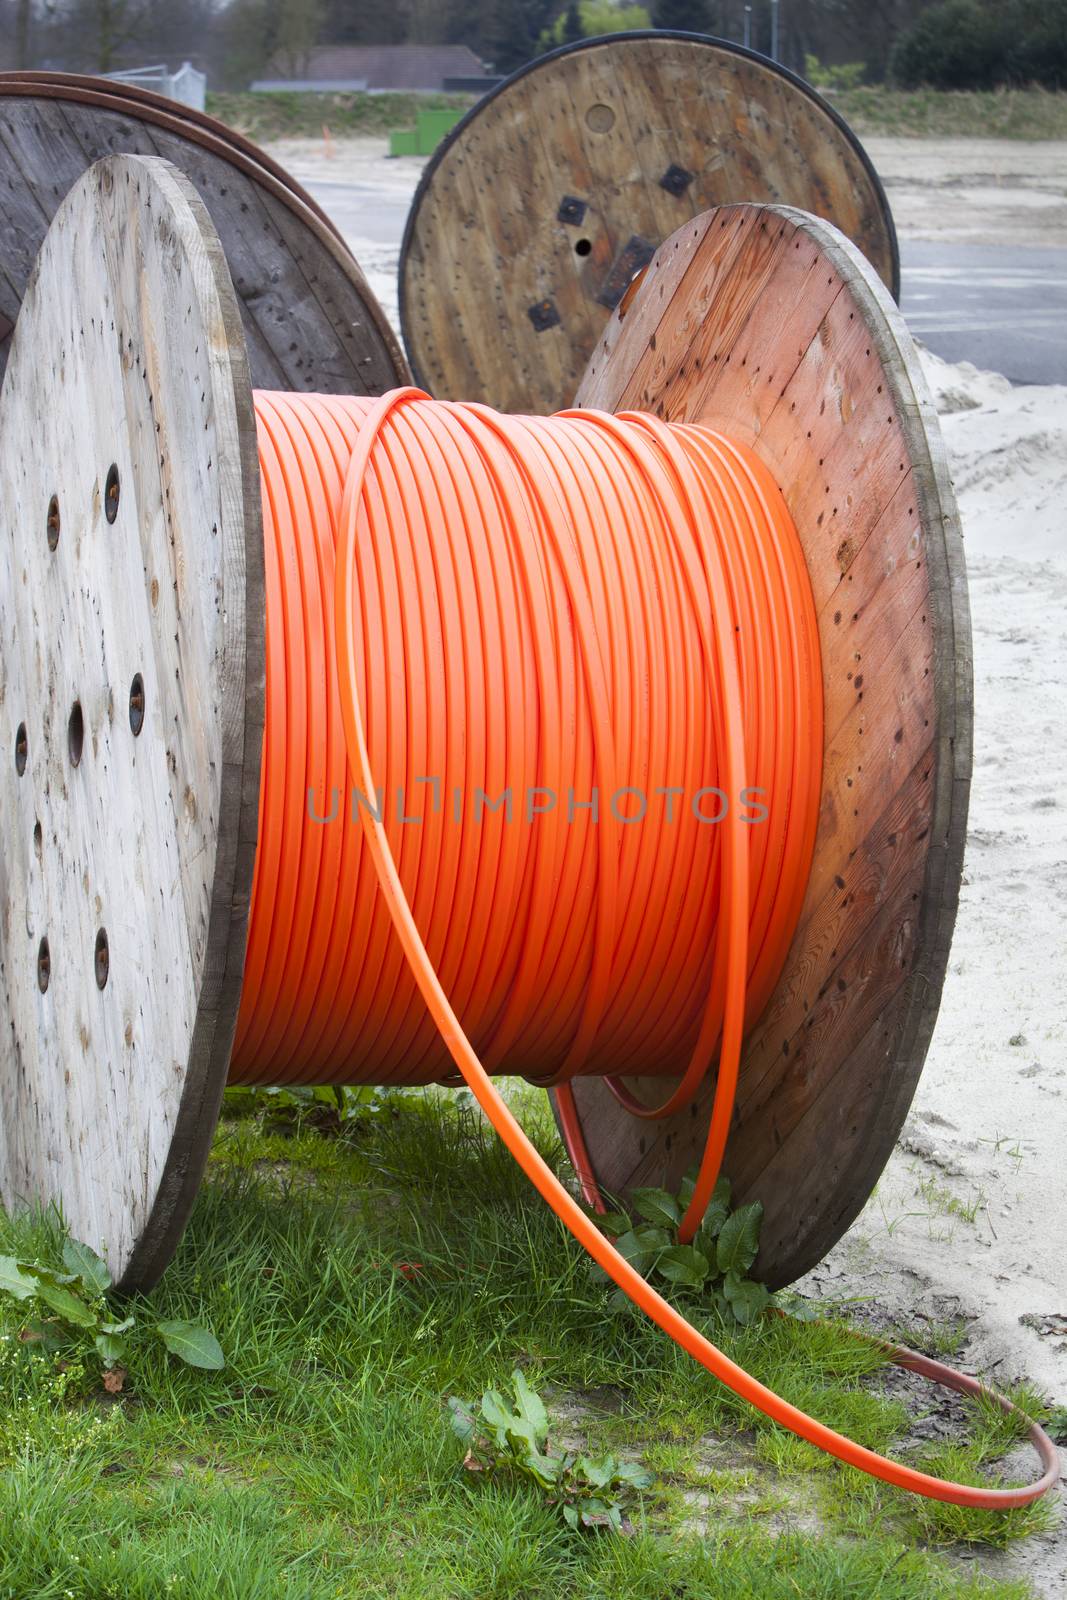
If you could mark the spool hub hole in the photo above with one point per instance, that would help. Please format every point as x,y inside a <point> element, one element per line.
<point>583,247</point>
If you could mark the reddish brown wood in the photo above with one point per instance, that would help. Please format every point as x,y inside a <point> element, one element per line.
<point>768,324</point>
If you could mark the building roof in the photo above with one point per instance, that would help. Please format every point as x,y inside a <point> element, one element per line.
<point>388,66</point>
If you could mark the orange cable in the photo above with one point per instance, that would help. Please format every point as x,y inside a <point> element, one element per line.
<point>460,602</point>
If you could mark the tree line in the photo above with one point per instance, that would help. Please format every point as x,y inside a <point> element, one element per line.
<point>945,43</point>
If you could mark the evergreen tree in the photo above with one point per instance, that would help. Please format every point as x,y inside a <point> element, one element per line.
<point>685,16</point>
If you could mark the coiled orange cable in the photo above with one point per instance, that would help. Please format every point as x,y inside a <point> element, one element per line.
<point>465,605</point>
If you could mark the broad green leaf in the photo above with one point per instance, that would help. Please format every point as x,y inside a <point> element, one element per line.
<point>796,1306</point>
<point>66,1304</point>
<point>15,1280</point>
<point>48,1274</point>
<point>634,1474</point>
<point>611,1222</point>
<point>596,1513</point>
<point>86,1264</point>
<point>117,1327</point>
<point>46,1332</point>
<point>546,1469</point>
<point>495,1412</point>
<point>530,1405</point>
<point>718,1209</point>
<point>464,1425</point>
<point>597,1474</point>
<point>747,1299</point>
<point>684,1265</point>
<point>657,1206</point>
<point>738,1240</point>
<point>642,1245</point>
<point>570,1513</point>
<point>112,1347</point>
<point>197,1347</point>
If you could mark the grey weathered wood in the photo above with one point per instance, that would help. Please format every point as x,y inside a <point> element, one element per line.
<point>128,351</point>
<point>768,324</point>
<point>310,318</point>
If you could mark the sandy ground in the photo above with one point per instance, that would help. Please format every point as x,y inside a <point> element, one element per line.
<point>969,1221</point>
<point>978,191</point>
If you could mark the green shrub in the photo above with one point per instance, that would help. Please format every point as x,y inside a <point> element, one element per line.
<point>976,44</point>
<point>846,75</point>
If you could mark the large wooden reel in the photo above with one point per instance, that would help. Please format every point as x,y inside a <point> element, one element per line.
<point>766,323</point>
<point>760,320</point>
<point>131,653</point>
<point>541,205</point>
<point>309,316</point>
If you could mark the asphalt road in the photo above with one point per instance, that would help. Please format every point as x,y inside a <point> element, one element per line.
<point>1001,308</point>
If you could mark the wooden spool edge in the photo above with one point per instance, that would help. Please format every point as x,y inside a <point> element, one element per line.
<point>912,1010</point>
<point>246,157</point>
<point>243,670</point>
<point>238,829</point>
<point>131,95</point>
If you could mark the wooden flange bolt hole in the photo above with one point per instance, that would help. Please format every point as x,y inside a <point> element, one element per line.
<point>137,704</point>
<point>111,493</point>
<point>76,733</point>
<point>101,959</point>
<point>52,522</point>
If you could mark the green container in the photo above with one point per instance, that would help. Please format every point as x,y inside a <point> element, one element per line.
<point>431,127</point>
<point>403,142</point>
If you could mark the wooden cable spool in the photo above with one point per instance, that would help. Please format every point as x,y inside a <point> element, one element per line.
<point>309,317</point>
<point>538,208</point>
<point>133,573</point>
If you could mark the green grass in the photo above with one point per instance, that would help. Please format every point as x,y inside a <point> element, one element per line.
<point>356,1281</point>
<point>907,113</point>
<point>292,115</point>
<point>955,114</point>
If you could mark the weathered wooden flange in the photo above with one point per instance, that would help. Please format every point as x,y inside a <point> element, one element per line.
<point>310,318</point>
<point>539,207</point>
<point>131,682</point>
<point>199,127</point>
<point>769,325</point>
